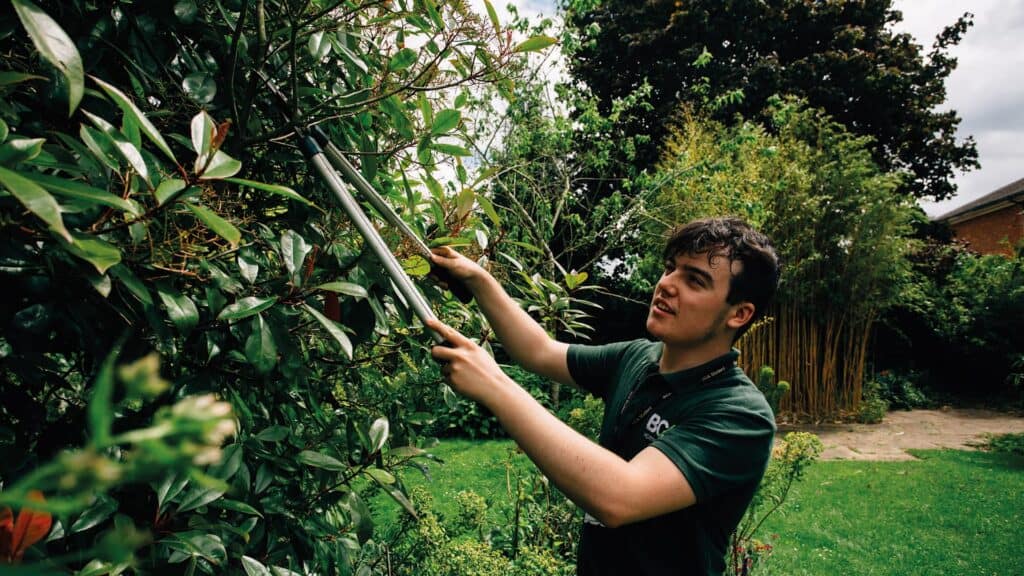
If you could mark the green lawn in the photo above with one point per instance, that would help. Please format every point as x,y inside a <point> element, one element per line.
<point>951,512</point>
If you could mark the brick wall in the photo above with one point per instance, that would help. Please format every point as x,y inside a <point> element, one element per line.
<point>988,233</point>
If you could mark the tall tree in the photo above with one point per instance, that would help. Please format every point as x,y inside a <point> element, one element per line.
<point>840,55</point>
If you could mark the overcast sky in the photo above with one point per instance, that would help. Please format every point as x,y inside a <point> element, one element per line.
<point>986,89</point>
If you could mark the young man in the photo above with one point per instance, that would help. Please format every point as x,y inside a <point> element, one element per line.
<point>686,436</point>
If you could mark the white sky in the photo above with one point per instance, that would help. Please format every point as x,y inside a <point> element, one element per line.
<point>986,89</point>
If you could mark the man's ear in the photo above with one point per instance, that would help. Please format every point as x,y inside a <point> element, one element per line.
<point>741,315</point>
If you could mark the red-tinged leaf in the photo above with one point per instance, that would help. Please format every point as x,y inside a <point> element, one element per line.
<point>31,527</point>
<point>6,532</point>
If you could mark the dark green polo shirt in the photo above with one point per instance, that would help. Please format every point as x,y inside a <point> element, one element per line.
<point>711,421</point>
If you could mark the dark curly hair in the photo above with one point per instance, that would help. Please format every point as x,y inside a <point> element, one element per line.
<point>732,238</point>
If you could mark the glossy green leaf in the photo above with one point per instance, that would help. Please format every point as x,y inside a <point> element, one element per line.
<point>272,188</point>
<point>319,45</point>
<point>169,488</point>
<point>126,149</point>
<point>416,265</point>
<point>186,11</point>
<point>132,111</point>
<point>248,267</point>
<point>493,16</point>
<point>8,78</point>
<point>168,189</point>
<point>18,150</point>
<point>195,544</point>
<point>378,434</point>
<point>535,43</point>
<point>402,59</point>
<point>253,567</point>
<point>55,46</point>
<point>214,222</point>
<point>260,349</point>
<point>198,496</point>
<point>248,306</point>
<point>333,328</point>
<point>201,87</point>
<point>100,253</point>
<point>103,508</point>
<point>450,149</point>
<point>37,200</point>
<point>319,460</point>
<point>134,285</point>
<point>180,308</point>
<point>101,147</point>
<point>344,288</point>
<point>445,121</point>
<point>221,166</point>
<point>382,476</point>
<point>236,506</point>
<point>398,496</point>
<point>488,208</point>
<point>4,130</point>
<point>202,131</point>
<point>100,409</point>
<point>273,434</point>
<point>80,191</point>
<point>294,249</point>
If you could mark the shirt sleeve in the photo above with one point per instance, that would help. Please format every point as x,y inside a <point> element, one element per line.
<point>722,448</point>
<point>595,368</point>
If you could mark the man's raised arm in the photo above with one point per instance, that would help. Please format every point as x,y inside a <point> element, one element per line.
<point>521,336</point>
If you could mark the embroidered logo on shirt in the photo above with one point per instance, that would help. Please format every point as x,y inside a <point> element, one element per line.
<point>656,425</point>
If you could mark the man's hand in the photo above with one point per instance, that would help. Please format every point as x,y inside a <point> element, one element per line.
<point>467,367</point>
<point>461,268</point>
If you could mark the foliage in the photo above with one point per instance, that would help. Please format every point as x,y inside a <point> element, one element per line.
<point>178,454</point>
<point>149,188</point>
<point>465,545</point>
<point>961,305</point>
<point>901,390</point>
<point>1006,443</point>
<point>812,188</point>
<point>772,388</point>
<point>791,457</point>
<point>842,57</point>
<point>873,406</point>
<point>587,417</point>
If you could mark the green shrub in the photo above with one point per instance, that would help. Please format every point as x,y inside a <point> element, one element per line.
<point>901,389</point>
<point>872,406</point>
<point>1012,443</point>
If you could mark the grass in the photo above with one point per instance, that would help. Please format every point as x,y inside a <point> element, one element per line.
<point>951,512</point>
<point>478,465</point>
<point>948,513</point>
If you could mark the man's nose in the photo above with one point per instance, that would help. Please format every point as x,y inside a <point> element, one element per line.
<point>666,285</point>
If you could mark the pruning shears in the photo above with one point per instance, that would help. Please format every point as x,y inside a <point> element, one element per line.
<point>328,161</point>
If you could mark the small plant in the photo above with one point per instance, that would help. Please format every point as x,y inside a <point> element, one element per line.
<point>772,389</point>
<point>901,389</point>
<point>1012,443</point>
<point>872,407</point>
<point>790,458</point>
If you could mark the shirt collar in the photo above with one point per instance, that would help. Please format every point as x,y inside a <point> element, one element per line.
<point>698,374</point>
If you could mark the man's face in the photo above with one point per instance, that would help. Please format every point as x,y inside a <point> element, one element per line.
<point>688,307</point>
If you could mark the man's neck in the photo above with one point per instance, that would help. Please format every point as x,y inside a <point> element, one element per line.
<point>675,359</point>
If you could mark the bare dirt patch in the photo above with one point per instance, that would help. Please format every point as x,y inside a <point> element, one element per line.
<point>957,428</point>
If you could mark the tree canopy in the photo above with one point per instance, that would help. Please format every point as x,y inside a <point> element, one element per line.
<point>840,56</point>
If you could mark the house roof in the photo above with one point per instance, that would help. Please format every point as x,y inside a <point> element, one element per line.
<point>1010,192</point>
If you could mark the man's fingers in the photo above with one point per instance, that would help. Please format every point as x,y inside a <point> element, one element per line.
<point>447,332</point>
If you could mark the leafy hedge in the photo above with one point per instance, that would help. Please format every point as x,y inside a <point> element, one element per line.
<point>154,200</point>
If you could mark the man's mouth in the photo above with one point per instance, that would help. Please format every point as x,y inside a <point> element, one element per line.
<point>663,307</point>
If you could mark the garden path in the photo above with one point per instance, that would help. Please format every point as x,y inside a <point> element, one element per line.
<point>958,428</point>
